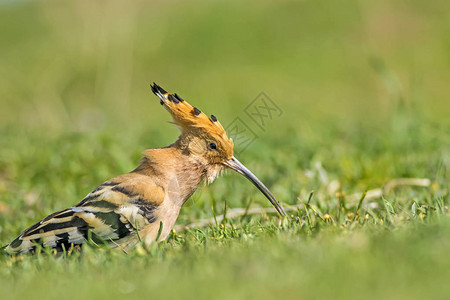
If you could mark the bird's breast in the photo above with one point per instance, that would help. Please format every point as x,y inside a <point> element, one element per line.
<point>166,216</point>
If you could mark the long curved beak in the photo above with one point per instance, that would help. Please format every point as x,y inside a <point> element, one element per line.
<point>236,165</point>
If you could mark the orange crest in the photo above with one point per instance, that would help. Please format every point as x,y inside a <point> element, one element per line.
<point>190,120</point>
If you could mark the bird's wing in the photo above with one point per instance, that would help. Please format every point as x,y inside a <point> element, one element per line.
<point>113,212</point>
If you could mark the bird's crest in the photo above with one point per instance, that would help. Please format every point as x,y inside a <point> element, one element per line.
<point>190,119</point>
<point>186,116</point>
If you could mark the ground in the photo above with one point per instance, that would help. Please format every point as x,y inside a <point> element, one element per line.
<point>340,108</point>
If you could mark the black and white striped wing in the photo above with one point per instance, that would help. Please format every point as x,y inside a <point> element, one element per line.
<point>107,214</point>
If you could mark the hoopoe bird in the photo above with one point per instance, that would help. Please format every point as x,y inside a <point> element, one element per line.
<point>144,204</point>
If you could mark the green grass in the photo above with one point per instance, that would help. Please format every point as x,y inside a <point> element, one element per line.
<point>364,92</point>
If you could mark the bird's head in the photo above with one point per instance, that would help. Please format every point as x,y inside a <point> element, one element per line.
<point>204,139</point>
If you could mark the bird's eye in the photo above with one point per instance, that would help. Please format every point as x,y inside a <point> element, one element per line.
<point>212,146</point>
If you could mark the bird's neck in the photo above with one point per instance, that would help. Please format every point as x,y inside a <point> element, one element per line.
<point>176,172</point>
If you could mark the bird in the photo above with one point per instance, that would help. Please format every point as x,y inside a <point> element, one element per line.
<point>142,206</point>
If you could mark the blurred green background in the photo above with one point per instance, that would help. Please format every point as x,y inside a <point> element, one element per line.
<point>364,90</point>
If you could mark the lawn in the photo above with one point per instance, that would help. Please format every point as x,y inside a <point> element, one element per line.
<point>340,107</point>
